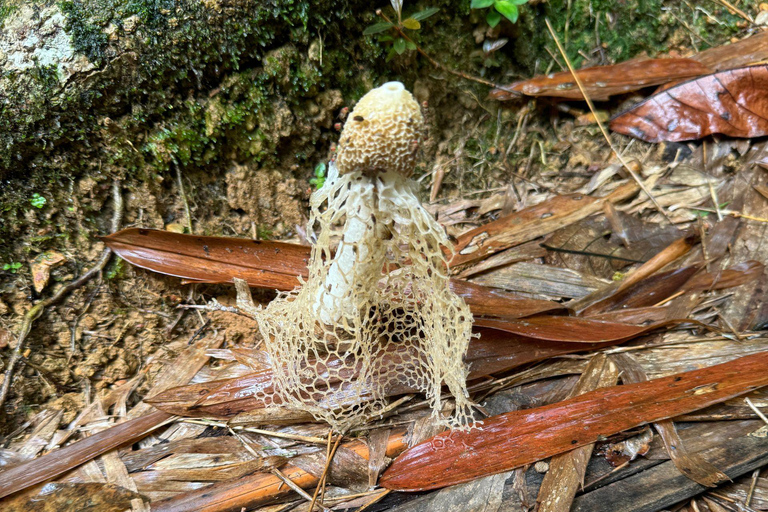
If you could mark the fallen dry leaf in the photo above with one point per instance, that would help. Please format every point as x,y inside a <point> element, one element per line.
<point>530,223</point>
<point>566,471</point>
<point>507,441</point>
<point>41,268</point>
<point>602,82</point>
<point>276,265</point>
<point>567,329</point>
<point>733,103</point>
<point>494,351</point>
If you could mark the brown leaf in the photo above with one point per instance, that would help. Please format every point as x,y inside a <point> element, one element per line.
<point>733,102</point>
<point>494,351</point>
<point>602,82</point>
<point>641,286</point>
<point>270,264</point>
<point>57,462</point>
<point>567,329</point>
<point>750,50</point>
<point>510,440</point>
<point>260,489</point>
<point>645,293</point>
<point>691,464</point>
<point>41,268</point>
<point>736,275</point>
<point>83,497</point>
<point>492,302</point>
<point>566,471</point>
<point>212,259</point>
<point>530,223</point>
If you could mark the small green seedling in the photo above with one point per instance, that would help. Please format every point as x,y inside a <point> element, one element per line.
<point>506,8</point>
<point>319,180</point>
<point>12,267</point>
<point>402,26</point>
<point>37,200</point>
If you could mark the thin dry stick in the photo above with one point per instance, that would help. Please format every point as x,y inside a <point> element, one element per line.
<point>39,308</point>
<point>321,483</point>
<point>375,500</point>
<point>735,10</point>
<point>732,213</point>
<point>757,411</point>
<point>752,486</point>
<point>293,437</point>
<point>437,64</point>
<point>600,123</point>
<point>183,195</point>
<point>290,483</point>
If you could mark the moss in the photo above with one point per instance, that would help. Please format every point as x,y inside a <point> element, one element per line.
<point>180,46</point>
<point>87,38</point>
<point>46,76</point>
<point>116,269</point>
<point>617,30</point>
<point>201,84</point>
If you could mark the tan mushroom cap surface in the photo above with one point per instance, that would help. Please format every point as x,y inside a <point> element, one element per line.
<point>382,133</point>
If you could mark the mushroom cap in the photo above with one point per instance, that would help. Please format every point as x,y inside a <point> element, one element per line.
<point>382,133</point>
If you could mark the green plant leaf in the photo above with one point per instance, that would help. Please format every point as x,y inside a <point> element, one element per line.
<point>493,18</point>
<point>519,2</point>
<point>426,13</point>
<point>384,39</point>
<point>412,24</point>
<point>399,46</point>
<point>410,45</point>
<point>507,9</point>
<point>37,200</point>
<point>481,4</point>
<point>377,28</point>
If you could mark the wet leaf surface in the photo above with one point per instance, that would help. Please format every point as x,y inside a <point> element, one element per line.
<point>732,103</point>
<point>522,437</point>
<point>276,265</point>
<point>602,82</point>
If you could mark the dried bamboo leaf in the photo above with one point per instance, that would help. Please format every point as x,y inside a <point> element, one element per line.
<point>602,82</point>
<point>531,435</point>
<point>530,223</point>
<point>690,464</point>
<point>566,471</point>
<point>271,264</point>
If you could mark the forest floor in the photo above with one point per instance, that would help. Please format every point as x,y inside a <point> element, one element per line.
<point>111,340</point>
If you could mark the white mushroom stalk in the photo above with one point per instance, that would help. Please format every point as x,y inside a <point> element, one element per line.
<point>377,312</point>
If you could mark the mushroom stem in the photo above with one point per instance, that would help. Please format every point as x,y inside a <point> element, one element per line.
<point>354,268</point>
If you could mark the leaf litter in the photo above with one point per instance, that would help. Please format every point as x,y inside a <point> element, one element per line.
<point>681,301</point>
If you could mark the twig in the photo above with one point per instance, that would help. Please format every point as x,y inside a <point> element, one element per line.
<point>600,123</point>
<point>183,195</point>
<point>752,486</point>
<point>39,308</point>
<point>321,483</point>
<point>732,213</point>
<point>735,10</point>
<point>281,435</point>
<point>757,411</point>
<point>437,64</point>
<point>375,500</point>
<point>301,492</point>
